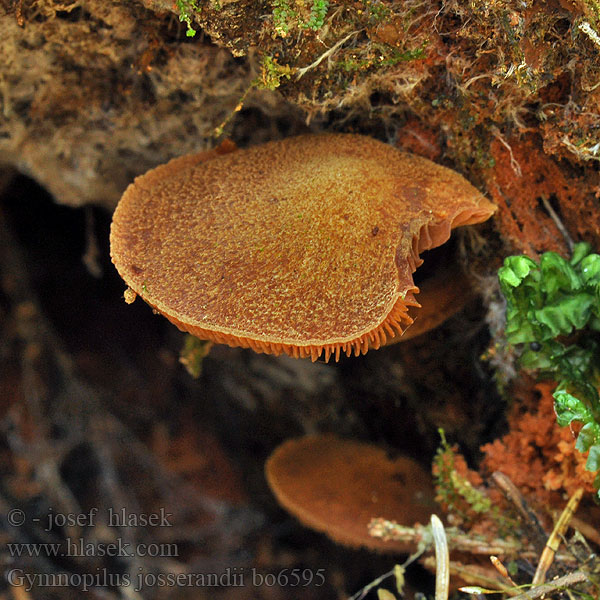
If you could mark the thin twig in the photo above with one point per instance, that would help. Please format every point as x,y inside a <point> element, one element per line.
<point>516,167</point>
<point>555,537</point>
<point>561,583</point>
<point>513,495</point>
<point>457,540</point>
<point>329,52</point>
<point>559,224</point>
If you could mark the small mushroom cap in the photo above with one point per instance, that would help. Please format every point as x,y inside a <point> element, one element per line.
<point>337,486</point>
<point>304,246</point>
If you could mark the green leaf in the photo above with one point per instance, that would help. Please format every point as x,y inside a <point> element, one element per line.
<point>557,275</point>
<point>515,269</point>
<point>594,322</point>
<point>568,313</point>
<point>580,251</point>
<point>568,408</point>
<point>590,269</point>
<point>588,436</point>
<point>576,362</point>
<point>519,331</point>
<point>530,359</point>
<point>593,460</point>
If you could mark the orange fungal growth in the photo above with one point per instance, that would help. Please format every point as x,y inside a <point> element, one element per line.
<point>304,246</point>
<point>337,486</point>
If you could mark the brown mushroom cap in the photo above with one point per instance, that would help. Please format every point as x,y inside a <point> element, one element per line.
<point>303,246</point>
<point>337,486</point>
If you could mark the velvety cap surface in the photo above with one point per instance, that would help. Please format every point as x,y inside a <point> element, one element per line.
<point>305,245</point>
<point>337,486</point>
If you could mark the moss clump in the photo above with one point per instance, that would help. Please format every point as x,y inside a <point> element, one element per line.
<point>318,12</point>
<point>186,10</point>
<point>502,66</point>
<point>283,17</point>
<point>454,490</point>
<point>298,14</point>
<point>553,317</point>
<point>380,56</point>
<point>272,73</point>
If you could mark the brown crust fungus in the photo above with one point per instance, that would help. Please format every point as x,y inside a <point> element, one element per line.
<point>337,486</point>
<point>304,246</point>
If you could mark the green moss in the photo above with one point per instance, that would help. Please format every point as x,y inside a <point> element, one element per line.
<point>593,12</point>
<point>380,55</point>
<point>453,489</point>
<point>376,11</point>
<point>283,17</point>
<point>318,12</point>
<point>553,317</point>
<point>185,9</point>
<point>193,353</point>
<point>289,15</point>
<point>272,73</point>
<point>459,495</point>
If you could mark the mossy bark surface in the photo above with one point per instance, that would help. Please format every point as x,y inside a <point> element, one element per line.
<point>94,93</point>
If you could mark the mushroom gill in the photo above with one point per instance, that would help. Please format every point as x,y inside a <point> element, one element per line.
<point>337,486</point>
<point>302,246</point>
<point>441,295</point>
